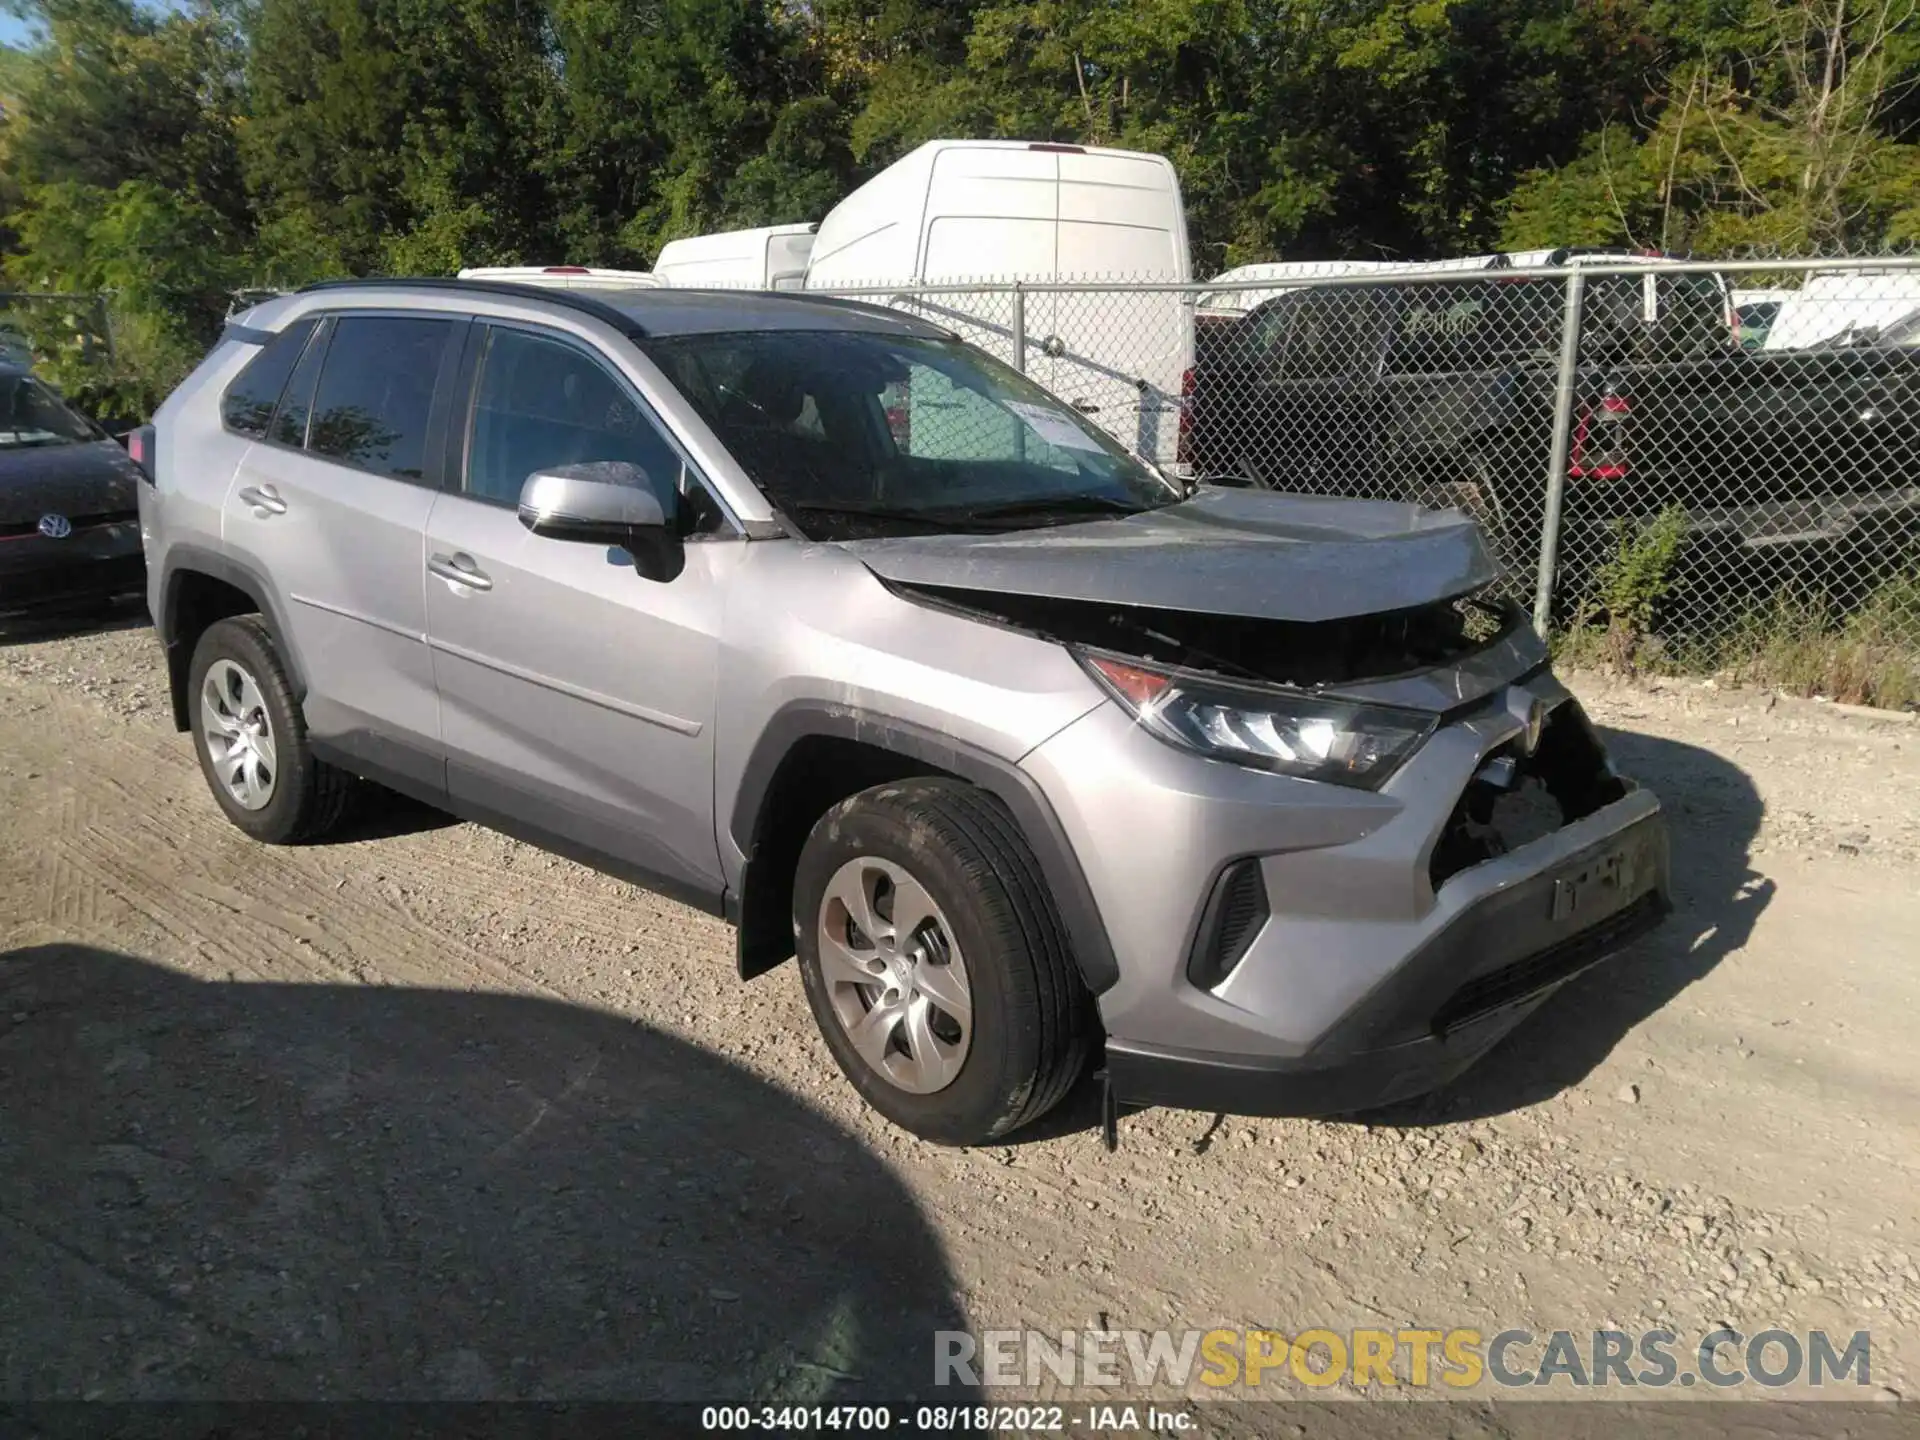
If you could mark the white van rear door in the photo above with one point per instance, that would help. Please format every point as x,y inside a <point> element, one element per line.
<point>991,215</point>
<point>1119,355</point>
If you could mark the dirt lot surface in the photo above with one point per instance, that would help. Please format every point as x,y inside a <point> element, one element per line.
<point>429,1113</point>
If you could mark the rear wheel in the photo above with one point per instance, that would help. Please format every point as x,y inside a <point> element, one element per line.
<point>252,738</point>
<point>935,963</point>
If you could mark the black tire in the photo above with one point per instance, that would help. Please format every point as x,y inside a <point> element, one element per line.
<point>1033,1023</point>
<point>308,796</point>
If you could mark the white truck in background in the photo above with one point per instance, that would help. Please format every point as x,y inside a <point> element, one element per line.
<point>960,211</point>
<point>560,277</point>
<point>771,257</point>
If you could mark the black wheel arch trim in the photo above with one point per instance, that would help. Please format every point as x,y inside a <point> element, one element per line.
<point>807,719</point>
<point>184,560</point>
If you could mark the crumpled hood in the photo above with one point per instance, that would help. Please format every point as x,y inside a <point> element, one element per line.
<point>1224,552</point>
<point>90,478</point>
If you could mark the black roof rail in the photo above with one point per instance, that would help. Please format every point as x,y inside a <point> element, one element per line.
<point>556,295</point>
<point>589,305</point>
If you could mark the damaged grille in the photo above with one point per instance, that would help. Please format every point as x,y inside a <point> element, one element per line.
<point>1515,798</point>
<point>1281,652</point>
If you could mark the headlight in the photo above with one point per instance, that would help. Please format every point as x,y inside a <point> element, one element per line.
<point>1267,728</point>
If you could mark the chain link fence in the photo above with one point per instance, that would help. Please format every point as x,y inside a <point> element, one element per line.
<point>1701,460</point>
<point>1707,463</point>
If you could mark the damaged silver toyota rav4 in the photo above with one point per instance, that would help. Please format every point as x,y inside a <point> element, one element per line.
<point>817,618</point>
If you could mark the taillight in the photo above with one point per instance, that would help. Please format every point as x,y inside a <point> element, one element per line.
<point>1183,445</point>
<point>140,450</point>
<point>1599,450</point>
<point>900,418</point>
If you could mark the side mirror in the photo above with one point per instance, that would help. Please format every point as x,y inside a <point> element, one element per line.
<point>605,502</point>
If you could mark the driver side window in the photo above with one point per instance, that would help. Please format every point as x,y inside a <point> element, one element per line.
<point>540,403</point>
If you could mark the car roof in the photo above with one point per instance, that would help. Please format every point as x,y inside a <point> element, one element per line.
<point>654,311</point>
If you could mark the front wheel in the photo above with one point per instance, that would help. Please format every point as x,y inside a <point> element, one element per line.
<point>935,963</point>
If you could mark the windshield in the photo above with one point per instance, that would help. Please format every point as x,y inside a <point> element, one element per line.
<point>31,414</point>
<point>856,433</point>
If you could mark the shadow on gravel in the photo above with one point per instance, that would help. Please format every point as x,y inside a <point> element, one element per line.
<point>36,627</point>
<point>378,813</point>
<point>238,1191</point>
<point>1713,813</point>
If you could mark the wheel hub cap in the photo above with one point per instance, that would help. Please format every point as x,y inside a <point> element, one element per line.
<point>238,735</point>
<point>894,976</point>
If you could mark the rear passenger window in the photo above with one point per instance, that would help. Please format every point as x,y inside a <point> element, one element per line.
<point>376,389</point>
<point>248,404</point>
<point>1329,336</point>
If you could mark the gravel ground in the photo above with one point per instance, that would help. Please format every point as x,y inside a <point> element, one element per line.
<point>430,1113</point>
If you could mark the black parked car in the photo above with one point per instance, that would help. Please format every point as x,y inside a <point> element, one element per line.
<point>1443,392</point>
<point>69,520</point>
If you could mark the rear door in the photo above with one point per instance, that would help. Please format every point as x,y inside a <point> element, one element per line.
<point>990,215</point>
<point>332,504</point>
<point>577,696</point>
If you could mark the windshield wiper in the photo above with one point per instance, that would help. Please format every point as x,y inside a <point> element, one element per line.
<point>868,508</point>
<point>992,516</point>
<point>1051,505</point>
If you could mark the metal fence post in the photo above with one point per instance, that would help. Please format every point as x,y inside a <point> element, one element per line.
<point>1560,450</point>
<point>1019,327</point>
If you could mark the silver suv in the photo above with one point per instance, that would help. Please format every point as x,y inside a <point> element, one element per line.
<point>817,618</point>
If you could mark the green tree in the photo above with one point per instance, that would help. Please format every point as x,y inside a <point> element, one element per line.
<point>397,134</point>
<point>1778,126</point>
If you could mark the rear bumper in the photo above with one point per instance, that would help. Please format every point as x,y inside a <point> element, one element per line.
<point>1453,999</point>
<point>92,564</point>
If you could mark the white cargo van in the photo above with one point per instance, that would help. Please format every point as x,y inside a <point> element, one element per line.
<point>1294,274</point>
<point>1832,307</point>
<point>560,277</point>
<point>773,257</point>
<point>1001,210</point>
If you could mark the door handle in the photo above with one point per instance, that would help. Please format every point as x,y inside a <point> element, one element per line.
<point>460,569</point>
<point>264,499</point>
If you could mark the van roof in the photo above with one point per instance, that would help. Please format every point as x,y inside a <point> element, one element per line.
<point>559,275</point>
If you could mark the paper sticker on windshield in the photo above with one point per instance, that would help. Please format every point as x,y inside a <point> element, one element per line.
<point>1054,429</point>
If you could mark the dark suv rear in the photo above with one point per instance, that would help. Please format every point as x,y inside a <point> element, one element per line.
<point>1445,390</point>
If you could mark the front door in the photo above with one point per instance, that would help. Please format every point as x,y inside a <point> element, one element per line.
<point>576,696</point>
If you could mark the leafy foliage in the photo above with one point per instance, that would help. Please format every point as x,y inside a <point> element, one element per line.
<point>169,155</point>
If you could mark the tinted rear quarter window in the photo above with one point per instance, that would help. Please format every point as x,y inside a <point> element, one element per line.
<point>296,402</point>
<point>371,407</point>
<point>247,407</point>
